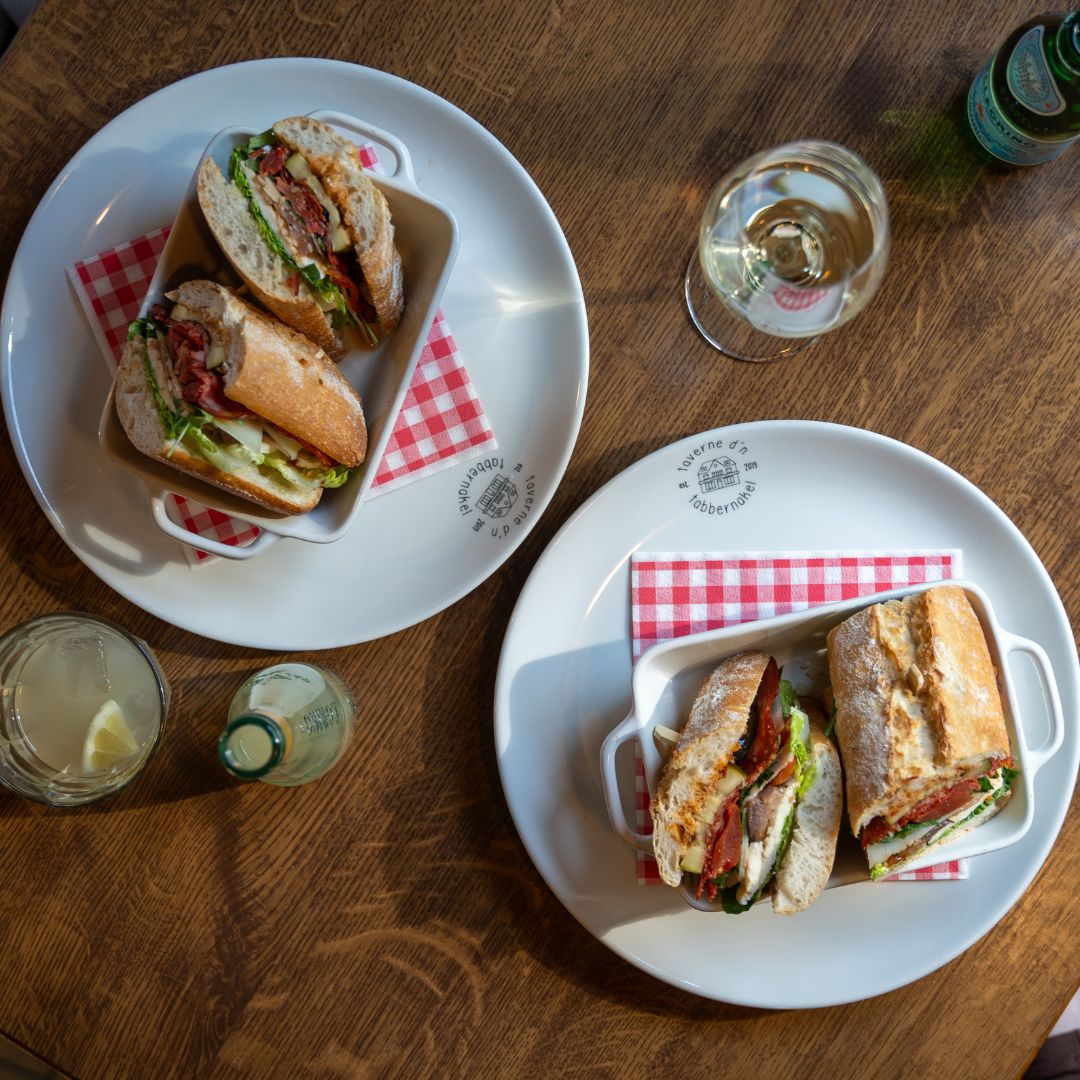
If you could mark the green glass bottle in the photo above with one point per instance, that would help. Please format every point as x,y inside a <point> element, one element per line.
<point>287,725</point>
<point>1024,105</point>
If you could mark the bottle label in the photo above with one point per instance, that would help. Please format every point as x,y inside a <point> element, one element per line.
<point>1029,78</point>
<point>998,135</point>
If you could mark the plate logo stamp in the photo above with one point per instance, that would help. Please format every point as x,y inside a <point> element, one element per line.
<point>718,477</point>
<point>496,498</point>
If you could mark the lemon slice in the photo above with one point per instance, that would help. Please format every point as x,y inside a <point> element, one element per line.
<point>108,739</point>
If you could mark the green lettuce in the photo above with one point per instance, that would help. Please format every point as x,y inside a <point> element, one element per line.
<point>335,477</point>
<point>805,769</point>
<point>788,698</point>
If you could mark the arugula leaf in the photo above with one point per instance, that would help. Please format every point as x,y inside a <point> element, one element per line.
<point>908,829</point>
<point>731,905</point>
<point>264,138</point>
<point>984,783</point>
<point>831,724</point>
<point>788,698</point>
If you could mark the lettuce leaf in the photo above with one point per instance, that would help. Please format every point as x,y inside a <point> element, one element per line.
<point>805,769</point>
<point>335,477</point>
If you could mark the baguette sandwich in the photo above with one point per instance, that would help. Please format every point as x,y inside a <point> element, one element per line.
<point>218,390</point>
<point>751,794</point>
<point>919,720</point>
<point>308,232</point>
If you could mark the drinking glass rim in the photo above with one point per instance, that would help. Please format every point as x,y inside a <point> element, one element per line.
<point>877,204</point>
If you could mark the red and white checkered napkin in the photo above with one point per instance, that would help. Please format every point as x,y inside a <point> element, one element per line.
<point>441,422</point>
<point>674,594</point>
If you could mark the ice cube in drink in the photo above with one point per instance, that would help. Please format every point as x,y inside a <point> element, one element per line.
<point>65,682</point>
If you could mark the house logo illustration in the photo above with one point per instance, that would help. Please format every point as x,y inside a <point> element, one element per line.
<point>717,476</point>
<point>498,498</point>
<point>719,473</point>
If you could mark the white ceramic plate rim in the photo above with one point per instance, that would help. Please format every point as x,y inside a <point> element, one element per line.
<point>876,983</point>
<point>316,635</point>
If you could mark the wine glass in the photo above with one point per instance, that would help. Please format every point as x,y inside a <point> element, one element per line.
<point>793,243</point>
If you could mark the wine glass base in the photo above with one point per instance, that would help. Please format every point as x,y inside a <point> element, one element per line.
<point>725,331</point>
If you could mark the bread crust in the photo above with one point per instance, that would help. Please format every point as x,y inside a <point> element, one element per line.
<point>140,419</point>
<point>279,374</point>
<point>917,701</point>
<point>718,720</point>
<point>264,272</point>
<point>805,869</point>
<point>363,207</point>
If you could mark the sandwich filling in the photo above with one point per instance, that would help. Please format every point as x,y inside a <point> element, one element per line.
<point>744,832</point>
<point>185,375</point>
<point>936,818</point>
<point>302,225</point>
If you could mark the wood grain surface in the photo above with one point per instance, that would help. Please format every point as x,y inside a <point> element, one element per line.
<point>386,920</point>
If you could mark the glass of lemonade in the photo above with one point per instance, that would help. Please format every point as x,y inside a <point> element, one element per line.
<point>82,705</point>
<point>793,242</point>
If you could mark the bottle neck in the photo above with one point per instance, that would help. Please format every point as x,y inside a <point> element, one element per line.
<point>1067,47</point>
<point>252,745</point>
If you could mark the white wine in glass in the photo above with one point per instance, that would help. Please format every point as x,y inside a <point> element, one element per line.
<point>793,242</point>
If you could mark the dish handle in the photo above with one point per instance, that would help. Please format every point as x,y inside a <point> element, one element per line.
<point>403,162</point>
<point>202,543</point>
<point>629,729</point>
<point>1038,757</point>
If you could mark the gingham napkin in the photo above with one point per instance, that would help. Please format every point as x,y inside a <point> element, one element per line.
<point>441,422</point>
<point>674,594</point>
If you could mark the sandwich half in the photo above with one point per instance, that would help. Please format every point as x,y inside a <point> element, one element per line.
<point>308,231</point>
<point>216,389</point>
<point>751,794</point>
<point>919,720</point>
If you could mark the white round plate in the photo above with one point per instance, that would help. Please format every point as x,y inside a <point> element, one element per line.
<point>514,304</point>
<point>564,683</point>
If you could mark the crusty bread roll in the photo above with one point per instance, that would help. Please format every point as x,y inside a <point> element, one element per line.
<point>335,161</point>
<point>917,702</point>
<point>806,867</point>
<point>269,369</point>
<point>704,751</point>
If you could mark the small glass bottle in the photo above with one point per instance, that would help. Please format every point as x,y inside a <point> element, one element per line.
<point>287,725</point>
<point>1024,104</point>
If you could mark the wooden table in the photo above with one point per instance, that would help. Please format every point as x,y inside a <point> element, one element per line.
<point>193,926</point>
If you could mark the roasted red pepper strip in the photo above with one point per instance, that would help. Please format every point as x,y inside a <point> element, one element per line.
<point>935,806</point>
<point>723,845</point>
<point>766,736</point>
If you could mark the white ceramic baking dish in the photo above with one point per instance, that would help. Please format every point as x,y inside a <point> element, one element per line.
<point>426,236</point>
<point>667,678</point>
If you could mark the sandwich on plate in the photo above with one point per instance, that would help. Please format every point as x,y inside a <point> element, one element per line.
<point>920,724</point>
<point>751,793</point>
<point>307,230</point>
<point>216,389</point>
